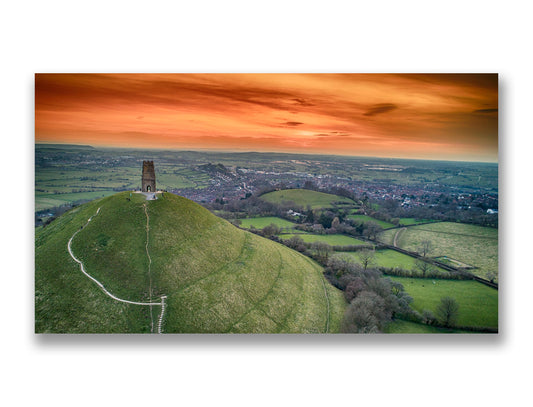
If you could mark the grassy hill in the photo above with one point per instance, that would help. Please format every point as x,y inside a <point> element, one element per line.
<point>217,278</point>
<point>304,197</point>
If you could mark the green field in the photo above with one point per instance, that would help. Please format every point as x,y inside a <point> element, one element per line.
<point>366,218</point>
<point>306,197</point>
<point>45,201</point>
<point>391,259</point>
<point>217,278</point>
<point>333,240</point>
<point>61,184</point>
<point>472,245</point>
<point>261,222</point>
<point>478,304</point>
<point>413,221</point>
<point>407,327</point>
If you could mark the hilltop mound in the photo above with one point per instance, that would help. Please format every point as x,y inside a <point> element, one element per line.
<point>305,197</point>
<point>215,277</point>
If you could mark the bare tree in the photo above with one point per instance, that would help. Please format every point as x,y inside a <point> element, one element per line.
<point>271,230</point>
<point>447,311</point>
<point>322,250</point>
<point>425,248</point>
<point>371,230</point>
<point>423,266</point>
<point>366,258</point>
<point>366,314</point>
<point>295,242</point>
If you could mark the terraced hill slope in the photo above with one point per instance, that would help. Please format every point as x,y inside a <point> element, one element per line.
<point>215,277</point>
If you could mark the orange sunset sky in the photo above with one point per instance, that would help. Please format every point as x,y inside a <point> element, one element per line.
<point>428,116</point>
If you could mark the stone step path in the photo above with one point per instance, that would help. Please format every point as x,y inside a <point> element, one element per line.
<point>160,323</point>
<point>99,284</point>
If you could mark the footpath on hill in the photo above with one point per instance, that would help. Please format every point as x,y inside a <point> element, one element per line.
<point>99,284</point>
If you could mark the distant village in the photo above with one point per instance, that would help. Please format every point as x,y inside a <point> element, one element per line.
<point>241,183</point>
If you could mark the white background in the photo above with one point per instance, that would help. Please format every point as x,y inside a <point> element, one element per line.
<point>272,36</point>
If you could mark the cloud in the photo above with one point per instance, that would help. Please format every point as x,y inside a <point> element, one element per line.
<point>380,108</point>
<point>302,102</point>
<point>340,133</point>
<point>170,109</point>
<point>293,123</point>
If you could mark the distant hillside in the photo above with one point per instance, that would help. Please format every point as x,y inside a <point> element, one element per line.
<point>217,278</point>
<point>65,146</point>
<point>305,197</point>
<point>215,169</point>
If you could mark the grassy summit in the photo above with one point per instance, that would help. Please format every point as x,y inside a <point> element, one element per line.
<point>217,278</point>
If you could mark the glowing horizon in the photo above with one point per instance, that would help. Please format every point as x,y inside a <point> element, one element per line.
<point>413,116</point>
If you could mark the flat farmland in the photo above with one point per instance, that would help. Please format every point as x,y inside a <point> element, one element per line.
<point>390,259</point>
<point>306,197</point>
<point>333,240</point>
<point>170,177</point>
<point>407,327</point>
<point>478,304</point>
<point>45,201</point>
<point>475,246</point>
<point>55,186</point>
<point>261,222</point>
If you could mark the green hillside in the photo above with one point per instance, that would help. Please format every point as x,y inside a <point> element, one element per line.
<point>304,197</point>
<point>216,277</point>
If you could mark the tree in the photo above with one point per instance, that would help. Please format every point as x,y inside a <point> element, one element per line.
<point>353,288</point>
<point>296,243</point>
<point>309,215</point>
<point>326,218</point>
<point>390,205</point>
<point>423,266</point>
<point>335,223</point>
<point>428,317</point>
<point>322,250</point>
<point>371,230</point>
<point>366,314</point>
<point>425,248</point>
<point>366,258</point>
<point>447,311</point>
<point>271,229</point>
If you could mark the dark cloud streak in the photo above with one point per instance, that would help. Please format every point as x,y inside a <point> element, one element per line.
<point>486,111</point>
<point>380,108</point>
<point>293,123</point>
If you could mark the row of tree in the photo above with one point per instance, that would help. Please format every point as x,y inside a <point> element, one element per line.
<point>376,300</point>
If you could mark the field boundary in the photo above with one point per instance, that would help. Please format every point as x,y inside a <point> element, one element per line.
<point>439,264</point>
<point>457,234</point>
<point>415,224</point>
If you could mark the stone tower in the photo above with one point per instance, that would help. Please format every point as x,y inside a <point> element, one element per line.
<point>148,179</point>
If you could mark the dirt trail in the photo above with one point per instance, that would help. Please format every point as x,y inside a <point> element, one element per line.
<point>395,243</point>
<point>149,266</point>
